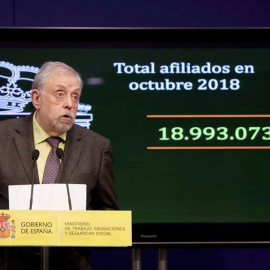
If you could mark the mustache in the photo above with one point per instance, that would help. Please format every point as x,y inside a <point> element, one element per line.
<point>67,113</point>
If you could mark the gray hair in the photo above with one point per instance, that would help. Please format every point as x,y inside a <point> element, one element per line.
<point>46,69</point>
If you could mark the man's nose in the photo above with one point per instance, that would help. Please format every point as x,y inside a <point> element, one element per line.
<point>68,103</point>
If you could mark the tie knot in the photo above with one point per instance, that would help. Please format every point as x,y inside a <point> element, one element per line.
<point>53,141</point>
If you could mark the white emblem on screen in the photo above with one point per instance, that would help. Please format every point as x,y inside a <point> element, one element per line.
<point>15,93</point>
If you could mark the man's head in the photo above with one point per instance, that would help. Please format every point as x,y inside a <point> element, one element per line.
<point>56,91</point>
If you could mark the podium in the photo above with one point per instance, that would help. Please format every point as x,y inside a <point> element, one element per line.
<point>65,228</point>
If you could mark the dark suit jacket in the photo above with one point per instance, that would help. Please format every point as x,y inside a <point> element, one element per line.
<point>88,160</point>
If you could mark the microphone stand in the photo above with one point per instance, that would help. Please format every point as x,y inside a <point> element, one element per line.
<point>44,251</point>
<point>35,155</point>
<point>32,186</point>
<point>60,154</point>
<point>69,199</point>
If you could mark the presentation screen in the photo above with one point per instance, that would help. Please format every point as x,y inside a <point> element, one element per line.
<point>187,112</point>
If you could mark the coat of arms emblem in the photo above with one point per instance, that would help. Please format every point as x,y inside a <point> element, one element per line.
<point>4,225</point>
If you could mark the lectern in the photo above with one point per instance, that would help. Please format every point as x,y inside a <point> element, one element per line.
<point>65,228</point>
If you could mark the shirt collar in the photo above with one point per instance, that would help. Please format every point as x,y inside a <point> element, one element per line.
<point>40,135</point>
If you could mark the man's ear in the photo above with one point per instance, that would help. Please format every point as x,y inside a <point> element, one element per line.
<point>35,96</point>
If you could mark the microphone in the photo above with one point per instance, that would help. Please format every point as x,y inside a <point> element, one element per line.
<point>35,155</point>
<point>61,155</point>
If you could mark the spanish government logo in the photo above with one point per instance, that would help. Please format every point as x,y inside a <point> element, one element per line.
<point>15,93</point>
<point>7,227</point>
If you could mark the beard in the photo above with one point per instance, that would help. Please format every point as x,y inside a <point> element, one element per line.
<point>61,125</point>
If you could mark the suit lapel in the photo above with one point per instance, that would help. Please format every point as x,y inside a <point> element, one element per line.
<point>24,144</point>
<point>72,152</point>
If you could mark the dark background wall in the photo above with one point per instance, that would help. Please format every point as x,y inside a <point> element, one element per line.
<point>139,13</point>
<point>151,13</point>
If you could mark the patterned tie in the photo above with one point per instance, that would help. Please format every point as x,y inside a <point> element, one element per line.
<point>52,163</point>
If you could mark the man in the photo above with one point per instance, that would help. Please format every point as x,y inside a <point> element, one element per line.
<point>88,156</point>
